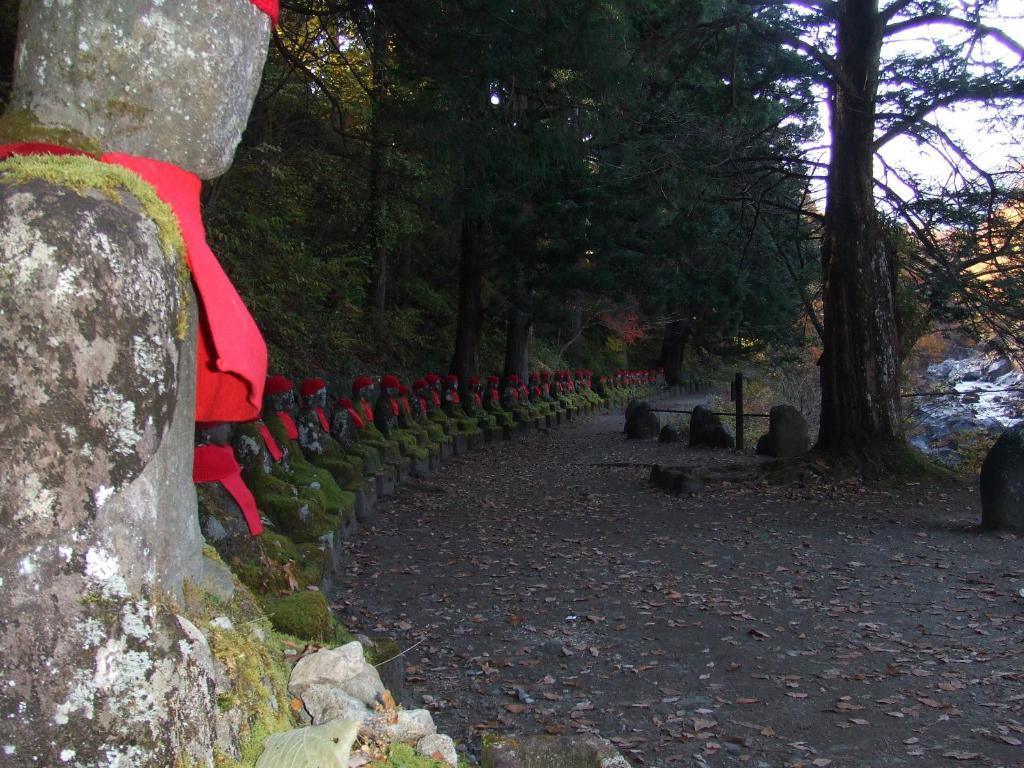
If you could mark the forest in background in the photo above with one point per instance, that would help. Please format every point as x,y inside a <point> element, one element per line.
<point>447,185</point>
<point>482,186</point>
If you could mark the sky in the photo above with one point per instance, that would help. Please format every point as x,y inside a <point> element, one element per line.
<point>988,135</point>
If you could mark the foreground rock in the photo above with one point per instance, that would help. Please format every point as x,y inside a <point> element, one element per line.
<point>642,423</point>
<point>787,433</point>
<point>551,752</point>
<point>1002,483</point>
<point>338,684</point>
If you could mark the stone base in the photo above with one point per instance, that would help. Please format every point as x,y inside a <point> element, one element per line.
<point>506,433</point>
<point>385,481</point>
<point>420,468</point>
<point>492,434</point>
<point>460,444</point>
<point>475,439</point>
<point>366,504</point>
<point>401,470</point>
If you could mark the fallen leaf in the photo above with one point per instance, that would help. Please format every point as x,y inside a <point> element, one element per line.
<point>515,709</point>
<point>961,755</point>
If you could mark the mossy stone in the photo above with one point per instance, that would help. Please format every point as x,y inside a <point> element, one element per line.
<point>304,615</point>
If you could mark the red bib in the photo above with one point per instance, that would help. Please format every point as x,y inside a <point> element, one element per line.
<point>217,464</point>
<point>323,420</point>
<point>289,425</point>
<point>272,447</point>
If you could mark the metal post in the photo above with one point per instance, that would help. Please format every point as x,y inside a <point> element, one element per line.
<point>738,390</point>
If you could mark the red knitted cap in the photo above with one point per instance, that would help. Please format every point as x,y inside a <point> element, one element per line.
<point>361,382</point>
<point>390,381</point>
<point>343,402</point>
<point>403,390</point>
<point>473,381</point>
<point>492,379</point>
<point>277,385</point>
<point>432,378</point>
<point>419,384</point>
<point>451,378</point>
<point>312,386</point>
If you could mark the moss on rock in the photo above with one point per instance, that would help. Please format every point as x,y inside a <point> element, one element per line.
<point>304,615</point>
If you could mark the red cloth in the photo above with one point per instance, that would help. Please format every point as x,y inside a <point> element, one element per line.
<point>435,397</point>
<point>232,361</point>
<point>323,420</point>
<point>232,358</point>
<point>477,400</point>
<point>423,404</point>
<point>394,405</point>
<point>360,382</point>
<point>495,395</point>
<point>367,411</point>
<point>277,385</point>
<point>269,7</point>
<point>345,403</point>
<point>272,447</point>
<point>455,397</point>
<point>289,425</point>
<point>217,464</point>
<point>37,148</point>
<point>312,386</point>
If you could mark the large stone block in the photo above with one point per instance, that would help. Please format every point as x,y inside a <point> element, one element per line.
<point>1002,482</point>
<point>787,433</point>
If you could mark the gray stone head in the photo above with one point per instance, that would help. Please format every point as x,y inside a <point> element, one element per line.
<point>213,433</point>
<point>314,393</point>
<point>279,395</point>
<point>173,81</point>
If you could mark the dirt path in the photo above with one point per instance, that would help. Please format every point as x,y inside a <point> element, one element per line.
<point>548,587</point>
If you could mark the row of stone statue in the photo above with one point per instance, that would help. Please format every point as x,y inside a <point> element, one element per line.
<point>314,465</point>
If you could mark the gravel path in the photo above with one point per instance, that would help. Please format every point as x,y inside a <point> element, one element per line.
<point>543,585</point>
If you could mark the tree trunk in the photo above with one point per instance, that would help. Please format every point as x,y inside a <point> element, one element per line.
<point>673,348</point>
<point>517,342</point>
<point>859,365</point>
<point>466,357</point>
<point>377,191</point>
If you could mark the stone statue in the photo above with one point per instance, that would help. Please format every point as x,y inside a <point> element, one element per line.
<point>99,348</point>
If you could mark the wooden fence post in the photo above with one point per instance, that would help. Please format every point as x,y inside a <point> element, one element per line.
<point>738,397</point>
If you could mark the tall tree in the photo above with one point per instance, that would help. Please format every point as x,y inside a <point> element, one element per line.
<point>877,91</point>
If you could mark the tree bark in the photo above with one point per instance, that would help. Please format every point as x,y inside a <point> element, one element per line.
<point>466,357</point>
<point>673,349</point>
<point>377,191</point>
<point>859,365</point>
<point>517,342</point>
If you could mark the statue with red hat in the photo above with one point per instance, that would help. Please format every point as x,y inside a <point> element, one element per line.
<point>491,397</point>
<point>474,407</point>
<point>451,402</point>
<point>322,450</point>
<point>280,411</point>
<point>387,417</point>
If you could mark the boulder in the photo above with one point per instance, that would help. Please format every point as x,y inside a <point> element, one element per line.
<point>670,434</point>
<point>787,433</point>
<point>439,744</point>
<point>550,752</point>
<point>1002,482</point>
<point>332,667</point>
<point>707,429</point>
<point>325,703</point>
<point>642,423</point>
<point>676,479</point>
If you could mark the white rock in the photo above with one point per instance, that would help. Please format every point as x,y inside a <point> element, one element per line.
<point>366,686</point>
<point>411,726</point>
<point>222,622</point>
<point>440,744</point>
<point>331,667</point>
<point>325,703</point>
